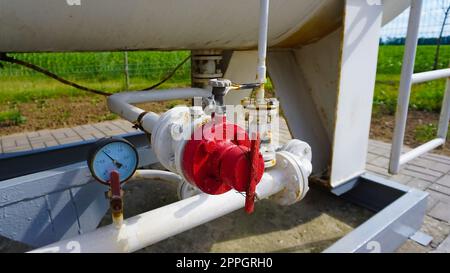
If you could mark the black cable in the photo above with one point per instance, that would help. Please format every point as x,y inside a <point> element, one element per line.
<point>5,58</point>
<point>170,75</point>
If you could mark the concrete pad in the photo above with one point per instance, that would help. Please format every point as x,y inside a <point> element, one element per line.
<point>444,247</point>
<point>441,211</point>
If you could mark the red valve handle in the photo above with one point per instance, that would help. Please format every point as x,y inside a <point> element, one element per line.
<point>254,170</point>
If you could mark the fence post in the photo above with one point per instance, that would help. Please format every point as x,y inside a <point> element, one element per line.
<point>409,58</point>
<point>126,71</point>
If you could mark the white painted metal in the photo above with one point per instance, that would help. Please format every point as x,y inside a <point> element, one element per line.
<point>295,159</point>
<point>331,80</point>
<point>262,48</point>
<point>241,69</point>
<point>49,25</point>
<point>330,84</point>
<point>405,85</point>
<point>356,87</point>
<point>172,131</point>
<point>430,76</point>
<point>445,113</point>
<point>431,145</point>
<point>121,103</point>
<point>151,227</point>
<point>158,175</point>
<point>441,135</point>
<point>406,82</point>
<point>186,190</point>
<point>296,99</point>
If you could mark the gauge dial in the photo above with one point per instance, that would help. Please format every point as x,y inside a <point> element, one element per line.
<point>113,154</point>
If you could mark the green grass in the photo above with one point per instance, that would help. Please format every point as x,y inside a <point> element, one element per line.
<point>424,97</point>
<point>425,133</point>
<point>110,116</point>
<point>102,66</point>
<point>104,71</point>
<point>391,57</point>
<point>11,117</point>
<point>20,89</point>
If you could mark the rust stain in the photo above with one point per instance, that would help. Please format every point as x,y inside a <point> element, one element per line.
<point>324,22</point>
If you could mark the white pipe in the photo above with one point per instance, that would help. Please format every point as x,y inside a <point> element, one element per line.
<point>158,175</point>
<point>121,103</point>
<point>423,149</point>
<point>262,48</point>
<point>405,85</point>
<point>445,113</point>
<point>430,75</point>
<point>151,227</point>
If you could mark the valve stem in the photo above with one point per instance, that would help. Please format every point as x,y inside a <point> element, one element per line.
<point>116,198</point>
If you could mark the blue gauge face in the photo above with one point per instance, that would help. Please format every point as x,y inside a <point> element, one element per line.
<point>113,155</point>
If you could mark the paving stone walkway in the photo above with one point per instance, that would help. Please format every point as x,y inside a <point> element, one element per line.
<point>48,138</point>
<point>430,172</point>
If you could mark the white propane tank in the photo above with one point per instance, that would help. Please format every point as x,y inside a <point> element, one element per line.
<point>94,25</point>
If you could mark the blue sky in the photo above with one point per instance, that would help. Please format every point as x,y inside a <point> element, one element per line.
<point>432,18</point>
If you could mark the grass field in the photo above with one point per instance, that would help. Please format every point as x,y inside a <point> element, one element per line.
<point>424,97</point>
<point>104,71</point>
<point>22,89</point>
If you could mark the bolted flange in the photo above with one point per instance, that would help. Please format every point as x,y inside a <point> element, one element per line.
<point>295,163</point>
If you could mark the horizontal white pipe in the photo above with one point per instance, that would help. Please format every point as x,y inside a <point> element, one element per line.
<point>430,76</point>
<point>121,103</point>
<point>158,175</point>
<point>151,227</point>
<point>405,158</point>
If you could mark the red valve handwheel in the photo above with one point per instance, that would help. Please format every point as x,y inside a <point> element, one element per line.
<point>224,158</point>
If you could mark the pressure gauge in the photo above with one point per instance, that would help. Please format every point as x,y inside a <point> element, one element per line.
<point>113,154</point>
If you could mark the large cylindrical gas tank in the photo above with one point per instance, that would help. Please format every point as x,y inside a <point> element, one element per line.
<point>92,25</point>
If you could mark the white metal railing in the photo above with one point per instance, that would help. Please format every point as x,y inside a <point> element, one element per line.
<point>408,78</point>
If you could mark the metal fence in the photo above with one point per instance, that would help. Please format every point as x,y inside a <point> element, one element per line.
<point>434,24</point>
<point>126,68</point>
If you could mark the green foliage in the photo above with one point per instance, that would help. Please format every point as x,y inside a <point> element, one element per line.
<point>105,71</point>
<point>426,96</point>
<point>101,70</point>
<point>425,133</point>
<point>11,117</point>
<point>391,57</point>
<point>102,66</point>
<point>106,117</point>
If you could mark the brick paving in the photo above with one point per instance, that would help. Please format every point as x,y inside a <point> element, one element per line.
<point>430,172</point>
<point>48,138</point>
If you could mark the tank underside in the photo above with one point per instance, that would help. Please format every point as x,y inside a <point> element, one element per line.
<point>108,25</point>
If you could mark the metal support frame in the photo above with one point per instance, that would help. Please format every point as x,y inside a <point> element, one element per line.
<point>408,78</point>
<point>326,90</point>
<point>400,210</point>
<point>400,213</point>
